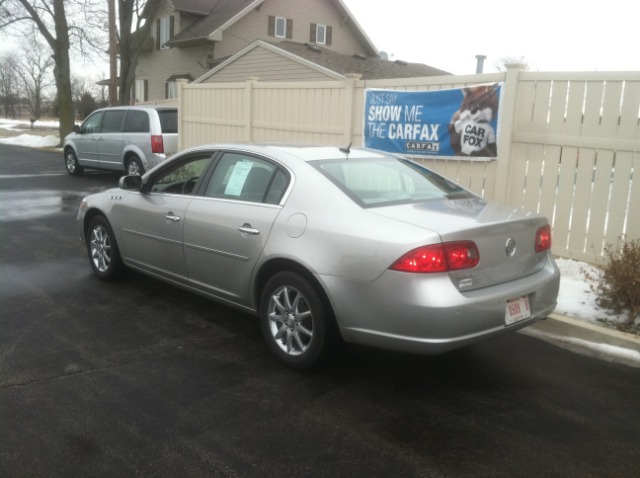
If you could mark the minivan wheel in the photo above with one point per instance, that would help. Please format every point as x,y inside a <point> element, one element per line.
<point>71,163</point>
<point>134,166</point>
<point>295,323</point>
<point>103,251</point>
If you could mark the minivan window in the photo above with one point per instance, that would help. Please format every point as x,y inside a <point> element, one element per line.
<point>168,120</point>
<point>136,122</point>
<point>112,122</point>
<point>92,123</point>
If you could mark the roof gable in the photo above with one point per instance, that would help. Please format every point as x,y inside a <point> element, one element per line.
<point>331,64</point>
<point>218,15</point>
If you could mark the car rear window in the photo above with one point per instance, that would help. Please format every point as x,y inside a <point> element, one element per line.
<point>168,120</point>
<point>379,182</point>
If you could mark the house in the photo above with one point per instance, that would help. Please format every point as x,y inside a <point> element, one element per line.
<point>231,40</point>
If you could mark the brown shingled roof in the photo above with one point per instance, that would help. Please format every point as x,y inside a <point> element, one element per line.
<point>219,12</point>
<point>369,68</point>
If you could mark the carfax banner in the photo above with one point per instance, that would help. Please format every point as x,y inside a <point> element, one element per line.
<point>457,122</point>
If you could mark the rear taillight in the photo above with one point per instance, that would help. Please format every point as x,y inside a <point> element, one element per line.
<point>157,145</point>
<point>449,256</point>
<point>543,238</point>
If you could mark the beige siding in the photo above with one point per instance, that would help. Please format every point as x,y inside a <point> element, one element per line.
<point>303,13</point>
<point>166,63</point>
<point>269,66</point>
<point>158,65</point>
<point>569,146</point>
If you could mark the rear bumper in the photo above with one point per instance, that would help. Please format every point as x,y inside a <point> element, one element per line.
<point>426,314</point>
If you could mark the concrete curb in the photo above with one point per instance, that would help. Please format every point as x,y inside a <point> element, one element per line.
<point>591,339</point>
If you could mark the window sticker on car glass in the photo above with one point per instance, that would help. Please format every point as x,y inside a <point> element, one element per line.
<point>238,178</point>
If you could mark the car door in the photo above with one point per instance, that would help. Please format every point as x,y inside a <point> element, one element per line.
<point>109,140</point>
<point>152,220</point>
<point>86,141</point>
<point>228,225</point>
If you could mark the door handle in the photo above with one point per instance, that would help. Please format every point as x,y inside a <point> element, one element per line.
<point>172,217</point>
<point>247,228</point>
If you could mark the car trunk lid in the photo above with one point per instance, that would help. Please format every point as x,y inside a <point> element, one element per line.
<point>505,236</point>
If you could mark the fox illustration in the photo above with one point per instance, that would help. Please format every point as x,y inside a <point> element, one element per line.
<point>470,129</point>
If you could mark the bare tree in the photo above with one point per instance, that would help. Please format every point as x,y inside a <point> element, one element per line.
<point>56,22</point>
<point>34,68</point>
<point>85,91</point>
<point>134,34</point>
<point>9,84</point>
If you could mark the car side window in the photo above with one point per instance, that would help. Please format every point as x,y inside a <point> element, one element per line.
<point>182,177</point>
<point>247,178</point>
<point>112,121</point>
<point>92,123</point>
<point>136,122</point>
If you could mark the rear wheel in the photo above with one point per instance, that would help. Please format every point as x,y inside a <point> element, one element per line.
<point>295,322</point>
<point>71,163</point>
<point>134,166</point>
<point>104,254</point>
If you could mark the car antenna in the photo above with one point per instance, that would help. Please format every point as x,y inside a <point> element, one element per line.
<point>346,150</point>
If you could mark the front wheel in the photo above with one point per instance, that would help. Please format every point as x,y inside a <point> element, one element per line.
<point>71,163</point>
<point>295,322</point>
<point>104,254</point>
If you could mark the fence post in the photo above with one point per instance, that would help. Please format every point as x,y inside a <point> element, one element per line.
<point>248,108</point>
<point>350,86</point>
<point>508,107</point>
<point>181,82</point>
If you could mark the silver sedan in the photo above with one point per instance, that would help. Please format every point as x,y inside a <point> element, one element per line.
<point>327,244</point>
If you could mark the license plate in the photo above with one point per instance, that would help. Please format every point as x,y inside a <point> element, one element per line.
<point>517,309</point>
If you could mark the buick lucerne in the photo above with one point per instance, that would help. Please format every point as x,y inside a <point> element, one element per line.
<point>325,244</point>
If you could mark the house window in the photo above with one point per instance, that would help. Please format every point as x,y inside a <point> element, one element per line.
<point>172,90</point>
<point>164,28</point>
<point>140,91</point>
<point>280,27</point>
<point>320,34</point>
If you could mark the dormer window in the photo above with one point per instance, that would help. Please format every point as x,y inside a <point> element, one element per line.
<point>320,34</point>
<point>280,27</point>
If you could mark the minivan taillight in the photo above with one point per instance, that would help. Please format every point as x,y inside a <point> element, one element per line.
<point>543,238</point>
<point>449,256</point>
<point>157,145</point>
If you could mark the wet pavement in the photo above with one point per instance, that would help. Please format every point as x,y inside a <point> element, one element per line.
<point>137,378</point>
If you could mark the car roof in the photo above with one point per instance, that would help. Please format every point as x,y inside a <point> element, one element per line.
<point>305,153</point>
<point>139,107</point>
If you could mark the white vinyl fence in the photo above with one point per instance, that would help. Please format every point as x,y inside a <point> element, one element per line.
<point>568,145</point>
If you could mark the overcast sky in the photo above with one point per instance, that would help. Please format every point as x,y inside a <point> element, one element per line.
<point>551,35</point>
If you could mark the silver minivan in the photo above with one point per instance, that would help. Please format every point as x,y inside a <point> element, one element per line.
<point>133,139</point>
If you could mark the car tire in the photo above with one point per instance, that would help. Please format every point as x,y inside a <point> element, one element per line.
<point>71,163</point>
<point>134,166</point>
<point>296,324</point>
<point>103,251</point>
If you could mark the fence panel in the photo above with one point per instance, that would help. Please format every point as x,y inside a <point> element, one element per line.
<point>572,150</point>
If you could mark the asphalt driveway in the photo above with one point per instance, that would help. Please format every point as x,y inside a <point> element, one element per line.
<point>138,378</point>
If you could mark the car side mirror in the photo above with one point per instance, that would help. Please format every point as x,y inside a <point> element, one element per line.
<point>76,128</point>
<point>133,182</point>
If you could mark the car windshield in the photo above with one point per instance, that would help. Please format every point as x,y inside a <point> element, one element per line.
<point>381,182</point>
